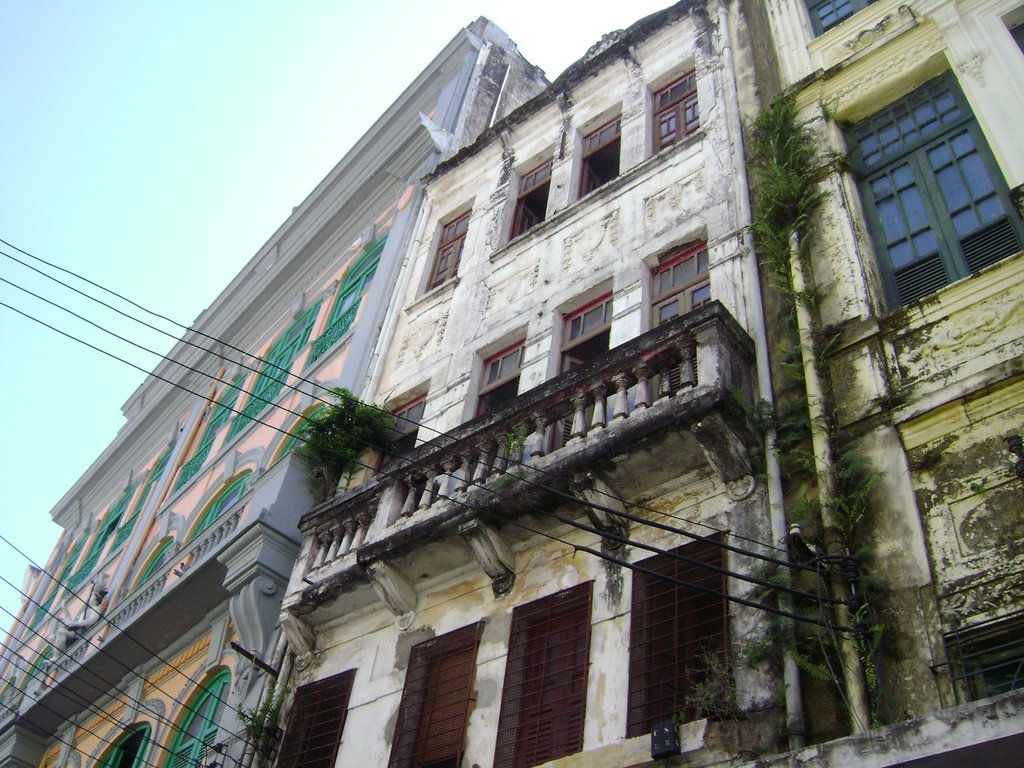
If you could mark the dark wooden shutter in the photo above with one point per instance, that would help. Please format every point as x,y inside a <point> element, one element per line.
<point>671,628</point>
<point>436,701</point>
<point>317,719</point>
<point>543,703</point>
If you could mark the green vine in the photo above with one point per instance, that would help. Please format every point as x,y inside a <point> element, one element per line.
<point>785,170</point>
<point>334,439</point>
<point>259,723</point>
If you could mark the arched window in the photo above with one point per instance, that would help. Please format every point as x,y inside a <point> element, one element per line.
<point>128,750</point>
<point>292,441</point>
<point>158,558</point>
<point>198,730</point>
<point>223,500</point>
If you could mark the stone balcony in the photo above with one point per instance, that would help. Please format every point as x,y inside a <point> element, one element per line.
<point>655,408</point>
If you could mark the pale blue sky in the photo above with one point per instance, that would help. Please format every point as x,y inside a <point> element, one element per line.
<point>154,147</point>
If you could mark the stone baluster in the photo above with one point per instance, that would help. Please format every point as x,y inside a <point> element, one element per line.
<point>428,490</point>
<point>333,536</point>
<point>463,473</point>
<point>579,418</point>
<point>447,479</point>
<point>599,420</point>
<point>485,461</point>
<point>362,525</point>
<point>346,540</point>
<point>409,504</point>
<point>537,442</point>
<point>620,401</point>
<point>643,386</point>
<point>324,540</point>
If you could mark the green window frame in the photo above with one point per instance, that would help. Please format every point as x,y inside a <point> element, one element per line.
<point>275,369</point>
<point>220,416</point>
<point>198,730</point>
<point>826,14</point>
<point>346,304</point>
<point>129,751</point>
<point>937,207</point>
<point>69,562</point>
<point>99,543</point>
<point>154,474</point>
<point>224,500</point>
<point>157,559</point>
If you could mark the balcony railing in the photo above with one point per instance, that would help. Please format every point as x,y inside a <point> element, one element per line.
<point>668,377</point>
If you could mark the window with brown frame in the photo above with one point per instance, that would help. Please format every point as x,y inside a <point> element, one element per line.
<point>675,111</point>
<point>543,703</point>
<point>408,417</point>
<point>449,250</point>
<point>316,722</point>
<point>532,203</point>
<point>436,701</point>
<point>676,633</point>
<point>601,156</point>
<point>587,332</point>
<point>681,283</point>
<point>501,378</point>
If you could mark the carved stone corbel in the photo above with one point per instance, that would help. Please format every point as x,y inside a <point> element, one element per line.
<point>597,492</point>
<point>726,453</point>
<point>298,633</point>
<point>495,557</point>
<point>394,590</point>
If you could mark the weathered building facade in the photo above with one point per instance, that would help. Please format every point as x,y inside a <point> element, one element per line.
<point>568,554</point>
<point>133,645</point>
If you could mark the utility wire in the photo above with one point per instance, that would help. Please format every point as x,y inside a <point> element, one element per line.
<point>265,363</point>
<point>99,647</point>
<point>387,474</point>
<point>102,682</point>
<point>454,440</point>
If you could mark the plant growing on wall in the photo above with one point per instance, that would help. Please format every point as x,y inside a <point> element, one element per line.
<point>260,724</point>
<point>333,440</point>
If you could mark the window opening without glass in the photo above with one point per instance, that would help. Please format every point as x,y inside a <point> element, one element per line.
<point>587,332</point>
<point>532,203</point>
<point>675,111</point>
<point>601,156</point>
<point>500,382</point>
<point>449,250</point>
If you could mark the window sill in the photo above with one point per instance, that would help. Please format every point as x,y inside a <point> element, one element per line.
<point>864,31</point>
<point>434,296</point>
<point>572,209</point>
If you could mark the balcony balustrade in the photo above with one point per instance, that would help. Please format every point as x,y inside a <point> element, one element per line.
<point>682,375</point>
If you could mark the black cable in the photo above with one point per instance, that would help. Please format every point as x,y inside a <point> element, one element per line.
<point>104,683</point>
<point>570,497</point>
<point>287,373</point>
<point>99,647</point>
<point>179,386</point>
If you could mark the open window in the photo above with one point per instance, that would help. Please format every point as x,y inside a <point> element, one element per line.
<point>532,202</point>
<point>680,282</point>
<point>675,111</point>
<point>449,250</point>
<point>601,156</point>
<point>500,382</point>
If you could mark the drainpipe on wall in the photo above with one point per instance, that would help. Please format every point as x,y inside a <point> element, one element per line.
<point>795,724</point>
<point>853,673</point>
